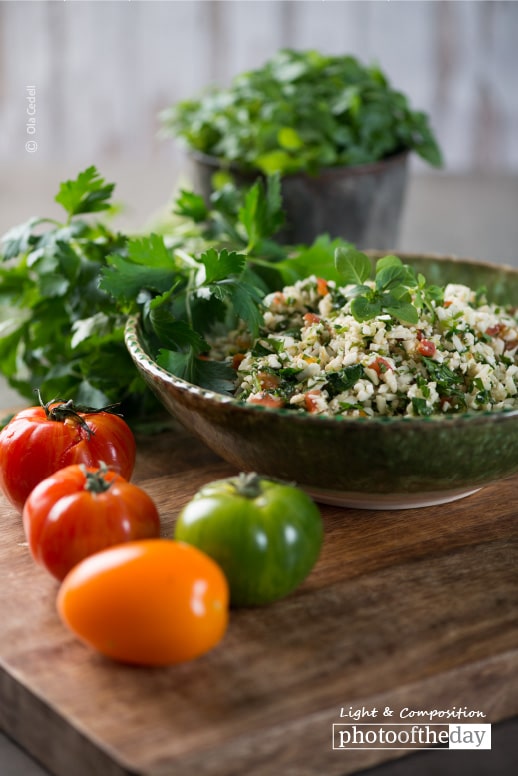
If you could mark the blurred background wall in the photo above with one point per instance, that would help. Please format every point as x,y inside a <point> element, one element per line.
<point>104,70</point>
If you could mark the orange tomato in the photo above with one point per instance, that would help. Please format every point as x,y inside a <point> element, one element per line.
<point>152,602</point>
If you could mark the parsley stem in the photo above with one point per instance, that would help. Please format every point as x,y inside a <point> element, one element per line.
<point>188,294</point>
<point>186,258</point>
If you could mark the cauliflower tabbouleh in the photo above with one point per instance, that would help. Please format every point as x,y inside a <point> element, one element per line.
<point>313,355</point>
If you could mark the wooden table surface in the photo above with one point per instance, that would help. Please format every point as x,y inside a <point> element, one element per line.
<point>413,608</point>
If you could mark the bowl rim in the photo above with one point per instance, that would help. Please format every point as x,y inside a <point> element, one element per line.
<point>136,349</point>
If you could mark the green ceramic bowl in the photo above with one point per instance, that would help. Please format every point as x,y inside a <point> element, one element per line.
<point>377,463</point>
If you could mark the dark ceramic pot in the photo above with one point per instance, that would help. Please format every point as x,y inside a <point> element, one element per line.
<point>362,204</point>
<point>377,463</point>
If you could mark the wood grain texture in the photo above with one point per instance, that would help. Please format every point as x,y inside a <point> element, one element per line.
<point>414,608</point>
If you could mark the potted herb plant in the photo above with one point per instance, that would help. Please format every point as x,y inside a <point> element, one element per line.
<point>335,130</point>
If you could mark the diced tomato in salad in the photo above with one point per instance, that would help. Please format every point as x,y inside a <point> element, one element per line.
<point>496,330</point>
<point>236,360</point>
<point>426,348</point>
<point>380,365</point>
<point>311,400</point>
<point>322,287</point>
<point>268,381</point>
<point>267,400</point>
<point>310,318</point>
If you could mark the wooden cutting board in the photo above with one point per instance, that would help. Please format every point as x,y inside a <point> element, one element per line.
<point>413,609</point>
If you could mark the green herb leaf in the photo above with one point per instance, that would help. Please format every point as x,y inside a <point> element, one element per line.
<point>290,139</point>
<point>365,309</point>
<point>220,264</point>
<point>353,266</point>
<point>388,261</point>
<point>246,301</point>
<point>317,259</point>
<point>404,312</point>
<point>390,277</point>
<point>149,266</point>
<point>212,375</point>
<point>20,239</point>
<point>344,380</point>
<point>191,205</point>
<point>88,193</point>
<point>174,333</point>
<point>261,213</point>
<point>150,251</point>
<point>420,407</point>
<point>125,280</point>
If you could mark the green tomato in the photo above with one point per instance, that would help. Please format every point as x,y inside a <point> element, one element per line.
<point>265,535</point>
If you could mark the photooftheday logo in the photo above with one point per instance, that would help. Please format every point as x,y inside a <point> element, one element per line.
<point>393,735</point>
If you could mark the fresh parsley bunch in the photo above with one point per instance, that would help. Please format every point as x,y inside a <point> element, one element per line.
<point>59,331</point>
<point>303,111</point>
<point>210,275</point>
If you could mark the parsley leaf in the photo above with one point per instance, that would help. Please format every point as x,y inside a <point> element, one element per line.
<point>420,407</point>
<point>19,239</point>
<point>174,333</point>
<point>246,300</point>
<point>191,205</point>
<point>212,375</point>
<point>346,378</point>
<point>317,259</point>
<point>261,213</point>
<point>449,384</point>
<point>88,193</point>
<point>220,264</point>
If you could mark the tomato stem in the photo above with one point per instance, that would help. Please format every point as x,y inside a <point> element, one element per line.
<point>248,485</point>
<point>67,410</point>
<point>95,481</point>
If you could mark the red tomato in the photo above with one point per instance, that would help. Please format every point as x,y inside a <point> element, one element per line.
<point>80,510</point>
<point>426,348</point>
<point>380,365</point>
<point>40,440</point>
<point>152,602</point>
